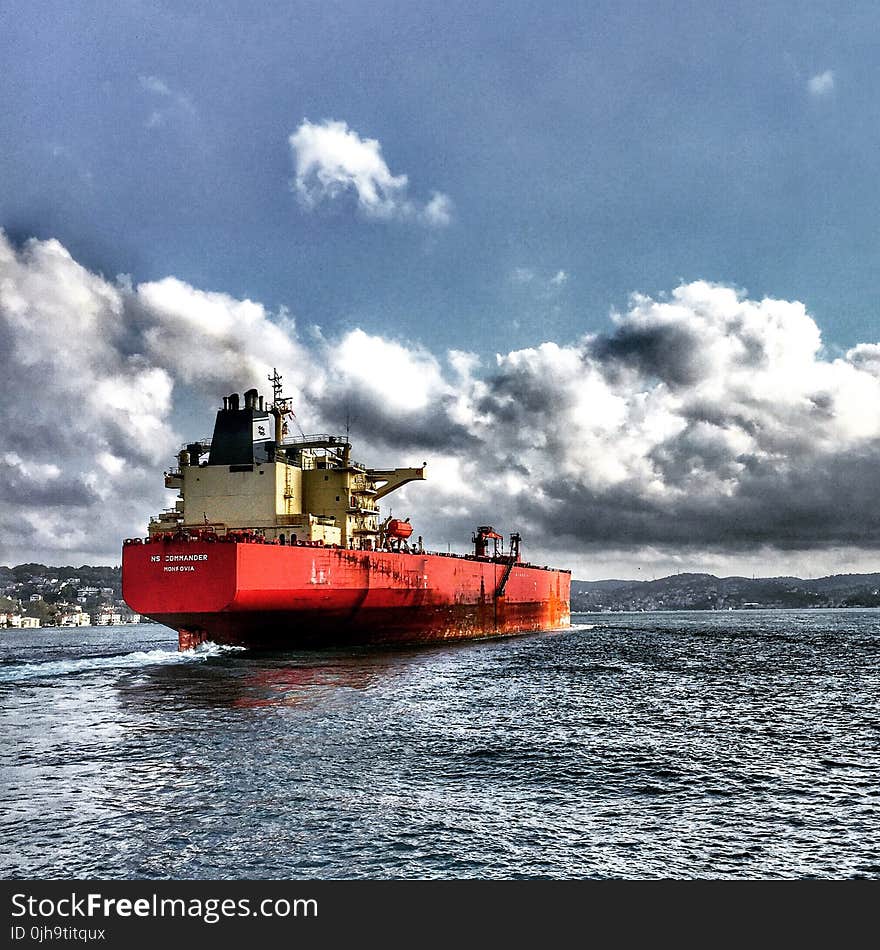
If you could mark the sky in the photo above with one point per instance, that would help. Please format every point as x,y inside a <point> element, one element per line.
<point>609,268</point>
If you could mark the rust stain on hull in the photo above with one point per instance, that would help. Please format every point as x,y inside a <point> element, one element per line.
<point>280,630</point>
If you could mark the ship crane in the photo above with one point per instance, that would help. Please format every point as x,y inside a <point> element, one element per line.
<point>484,534</point>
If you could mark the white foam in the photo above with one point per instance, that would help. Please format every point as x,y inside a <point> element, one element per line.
<point>124,661</point>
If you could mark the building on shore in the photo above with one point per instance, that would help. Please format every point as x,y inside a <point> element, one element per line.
<point>18,621</point>
<point>107,616</point>
<point>74,616</point>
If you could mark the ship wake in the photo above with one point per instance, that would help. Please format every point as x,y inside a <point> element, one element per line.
<point>13,672</point>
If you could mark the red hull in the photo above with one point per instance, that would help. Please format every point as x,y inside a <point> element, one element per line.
<point>270,596</point>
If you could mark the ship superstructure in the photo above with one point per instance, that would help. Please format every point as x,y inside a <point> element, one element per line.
<point>254,475</point>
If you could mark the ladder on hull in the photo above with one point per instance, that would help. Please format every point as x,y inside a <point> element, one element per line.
<point>505,577</point>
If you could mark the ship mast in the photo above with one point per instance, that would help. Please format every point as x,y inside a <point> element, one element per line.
<point>275,380</point>
<point>281,406</point>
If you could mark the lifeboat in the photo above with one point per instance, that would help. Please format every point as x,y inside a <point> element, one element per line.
<point>398,529</point>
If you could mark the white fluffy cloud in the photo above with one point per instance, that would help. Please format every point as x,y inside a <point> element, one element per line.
<point>403,379</point>
<point>331,160</point>
<point>822,83</point>
<point>74,393</point>
<point>234,341</point>
<point>438,211</point>
<point>703,421</point>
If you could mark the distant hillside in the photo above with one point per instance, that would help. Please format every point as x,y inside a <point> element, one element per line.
<point>59,585</point>
<point>676,592</point>
<point>708,592</point>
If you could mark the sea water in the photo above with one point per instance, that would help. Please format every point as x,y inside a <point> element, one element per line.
<point>684,745</point>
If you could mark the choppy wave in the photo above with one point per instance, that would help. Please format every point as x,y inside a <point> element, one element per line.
<point>16,672</point>
<point>706,745</point>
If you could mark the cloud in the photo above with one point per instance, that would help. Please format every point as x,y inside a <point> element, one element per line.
<point>73,393</point>
<point>528,275</point>
<point>176,104</point>
<point>394,394</point>
<point>238,340</point>
<point>704,419</point>
<point>866,356</point>
<point>543,284</point>
<point>438,211</point>
<point>331,160</point>
<point>702,424</point>
<point>821,84</point>
<point>89,368</point>
<point>155,85</point>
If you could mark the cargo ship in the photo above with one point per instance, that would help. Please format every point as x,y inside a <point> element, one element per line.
<point>278,541</point>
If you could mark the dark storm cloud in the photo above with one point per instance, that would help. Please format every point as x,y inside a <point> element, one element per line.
<point>369,419</point>
<point>669,353</point>
<point>694,450</point>
<point>795,509</point>
<point>516,396</point>
<point>20,487</point>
